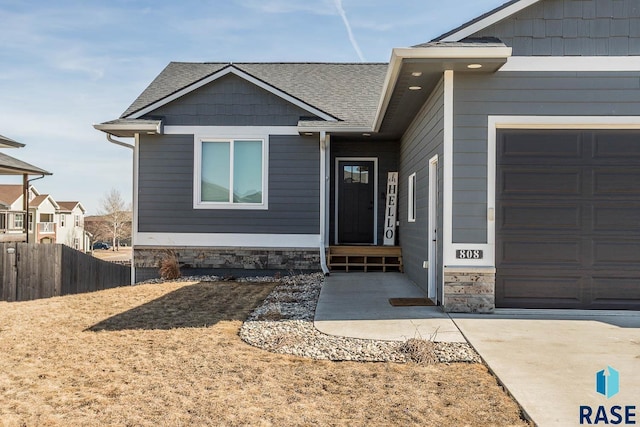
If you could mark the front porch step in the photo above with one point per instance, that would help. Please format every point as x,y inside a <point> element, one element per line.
<point>365,258</point>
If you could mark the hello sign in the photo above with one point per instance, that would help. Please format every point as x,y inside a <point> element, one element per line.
<point>390,211</point>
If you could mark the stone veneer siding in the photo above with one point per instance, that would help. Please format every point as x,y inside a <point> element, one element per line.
<point>469,290</point>
<point>233,258</point>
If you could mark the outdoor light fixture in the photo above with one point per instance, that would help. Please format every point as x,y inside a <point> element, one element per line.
<point>415,87</point>
<point>474,66</point>
<point>416,73</point>
<point>366,134</point>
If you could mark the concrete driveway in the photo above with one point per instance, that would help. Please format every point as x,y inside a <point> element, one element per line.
<point>548,360</point>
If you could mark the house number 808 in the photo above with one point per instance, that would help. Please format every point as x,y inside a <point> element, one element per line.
<point>469,254</point>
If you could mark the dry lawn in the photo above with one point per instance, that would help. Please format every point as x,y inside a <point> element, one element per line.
<point>170,355</point>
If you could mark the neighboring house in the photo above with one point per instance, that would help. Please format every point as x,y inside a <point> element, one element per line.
<point>48,221</point>
<point>70,226</point>
<point>11,214</point>
<point>516,137</point>
<point>43,227</point>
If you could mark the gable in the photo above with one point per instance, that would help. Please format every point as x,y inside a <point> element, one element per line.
<point>229,101</point>
<point>571,28</point>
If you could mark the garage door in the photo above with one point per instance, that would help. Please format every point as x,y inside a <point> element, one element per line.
<point>568,219</point>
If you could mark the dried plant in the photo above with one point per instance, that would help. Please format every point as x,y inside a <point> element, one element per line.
<point>420,351</point>
<point>169,266</point>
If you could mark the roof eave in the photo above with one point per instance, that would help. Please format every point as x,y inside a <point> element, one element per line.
<point>437,54</point>
<point>129,130</point>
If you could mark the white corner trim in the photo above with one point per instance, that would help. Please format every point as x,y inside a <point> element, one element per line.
<point>228,240</point>
<point>135,207</point>
<point>233,70</point>
<point>572,63</point>
<point>232,131</point>
<point>432,232</point>
<point>447,169</point>
<point>534,122</point>
<point>489,20</point>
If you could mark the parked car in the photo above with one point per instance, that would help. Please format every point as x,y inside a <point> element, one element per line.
<point>101,245</point>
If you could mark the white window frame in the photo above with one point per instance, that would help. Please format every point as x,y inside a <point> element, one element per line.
<point>77,220</point>
<point>63,220</point>
<point>16,222</point>
<point>197,175</point>
<point>411,198</point>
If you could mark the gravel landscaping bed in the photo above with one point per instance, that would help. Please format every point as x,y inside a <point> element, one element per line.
<point>284,324</point>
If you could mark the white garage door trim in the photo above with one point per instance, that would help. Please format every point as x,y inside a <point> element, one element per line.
<point>535,122</point>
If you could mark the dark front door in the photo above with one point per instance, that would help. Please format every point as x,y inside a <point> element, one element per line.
<point>568,219</point>
<point>356,202</point>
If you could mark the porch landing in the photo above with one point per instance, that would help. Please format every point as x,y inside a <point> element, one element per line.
<point>356,305</point>
<point>365,258</point>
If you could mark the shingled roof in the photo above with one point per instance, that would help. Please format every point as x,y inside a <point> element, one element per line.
<point>328,87</point>
<point>12,166</point>
<point>9,143</point>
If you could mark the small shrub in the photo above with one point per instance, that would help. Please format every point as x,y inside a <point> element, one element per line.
<point>420,351</point>
<point>169,266</point>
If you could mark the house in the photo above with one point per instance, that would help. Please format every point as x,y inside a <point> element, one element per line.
<point>516,137</point>
<point>13,207</point>
<point>70,226</point>
<point>48,221</point>
<point>11,214</point>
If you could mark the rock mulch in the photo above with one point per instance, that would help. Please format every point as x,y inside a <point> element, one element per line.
<point>284,324</point>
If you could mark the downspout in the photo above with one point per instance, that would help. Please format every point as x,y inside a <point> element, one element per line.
<point>120,143</point>
<point>323,189</point>
<point>135,177</point>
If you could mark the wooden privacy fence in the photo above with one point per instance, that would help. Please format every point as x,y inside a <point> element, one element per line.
<point>31,271</point>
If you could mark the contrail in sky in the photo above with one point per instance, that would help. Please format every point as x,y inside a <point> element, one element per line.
<point>354,43</point>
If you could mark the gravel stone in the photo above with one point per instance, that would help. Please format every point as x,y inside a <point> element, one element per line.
<point>284,324</point>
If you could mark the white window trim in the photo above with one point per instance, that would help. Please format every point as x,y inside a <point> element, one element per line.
<point>197,173</point>
<point>15,221</point>
<point>533,122</point>
<point>411,199</point>
<point>63,220</point>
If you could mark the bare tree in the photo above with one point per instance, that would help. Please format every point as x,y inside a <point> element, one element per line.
<point>117,217</point>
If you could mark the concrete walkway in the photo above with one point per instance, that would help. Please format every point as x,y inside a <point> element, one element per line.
<point>357,305</point>
<point>548,359</point>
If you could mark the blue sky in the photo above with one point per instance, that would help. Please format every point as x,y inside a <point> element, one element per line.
<point>65,65</point>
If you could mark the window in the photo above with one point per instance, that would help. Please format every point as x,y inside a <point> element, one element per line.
<point>30,222</point>
<point>76,243</point>
<point>230,173</point>
<point>63,220</point>
<point>356,174</point>
<point>412,198</point>
<point>77,220</point>
<point>18,221</point>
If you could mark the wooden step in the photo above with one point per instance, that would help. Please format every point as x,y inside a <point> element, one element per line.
<point>365,258</point>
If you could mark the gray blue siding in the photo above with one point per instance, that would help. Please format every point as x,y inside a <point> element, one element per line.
<point>527,94</point>
<point>572,28</point>
<point>165,196</point>
<point>422,141</point>
<point>229,101</point>
<point>387,154</point>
